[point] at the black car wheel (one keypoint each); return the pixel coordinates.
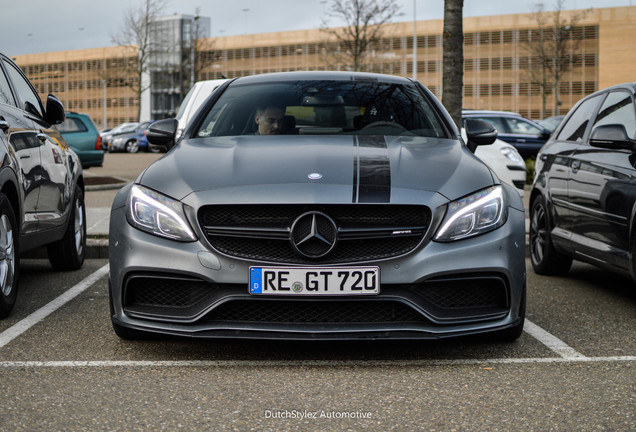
(132, 146)
(545, 259)
(8, 257)
(69, 253)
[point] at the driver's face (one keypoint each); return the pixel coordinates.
(270, 121)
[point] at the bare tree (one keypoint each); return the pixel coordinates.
(453, 61)
(134, 37)
(551, 47)
(364, 25)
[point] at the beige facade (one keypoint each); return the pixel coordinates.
(495, 66)
(86, 81)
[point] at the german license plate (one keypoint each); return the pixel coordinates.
(314, 281)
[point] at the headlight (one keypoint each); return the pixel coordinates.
(475, 214)
(512, 154)
(157, 214)
(117, 141)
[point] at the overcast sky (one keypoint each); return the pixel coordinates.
(34, 26)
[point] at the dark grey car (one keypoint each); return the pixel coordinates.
(365, 216)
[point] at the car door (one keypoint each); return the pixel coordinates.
(56, 189)
(557, 159)
(527, 137)
(602, 189)
(52, 171)
(24, 146)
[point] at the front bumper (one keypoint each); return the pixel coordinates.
(439, 290)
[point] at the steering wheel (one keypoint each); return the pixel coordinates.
(385, 124)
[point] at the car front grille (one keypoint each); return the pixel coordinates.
(364, 232)
(314, 312)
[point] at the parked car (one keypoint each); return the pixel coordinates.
(551, 123)
(584, 192)
(525, 135)
(505, 161)
(109, 135)
(364, 216)
(41, 183)
(193, 100)
(132, 141)
(80, 133)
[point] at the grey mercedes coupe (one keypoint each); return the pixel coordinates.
(318, 205)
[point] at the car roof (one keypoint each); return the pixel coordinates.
(490, 112)
(631, 86)
(322, 75)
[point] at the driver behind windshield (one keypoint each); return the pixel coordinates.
(269, 120)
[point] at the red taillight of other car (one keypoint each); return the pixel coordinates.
(98, 143)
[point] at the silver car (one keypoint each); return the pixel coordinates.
(318, 205)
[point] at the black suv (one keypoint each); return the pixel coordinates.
(583, 200)
(41, 183)
(525, 135)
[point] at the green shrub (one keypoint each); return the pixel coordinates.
(530, 169)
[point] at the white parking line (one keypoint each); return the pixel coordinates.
(297, 363)
(20, 327)
(567, 354)
(552, 342)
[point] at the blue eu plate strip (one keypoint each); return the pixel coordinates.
(256, 280)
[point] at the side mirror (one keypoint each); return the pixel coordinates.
(163, 133)
(479, 132)
(611, 136)
(54, 110)
(545, 134)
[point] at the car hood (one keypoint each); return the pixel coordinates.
(335, 169)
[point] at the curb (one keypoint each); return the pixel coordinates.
(96, 248)
(111, 186)
(118, 184)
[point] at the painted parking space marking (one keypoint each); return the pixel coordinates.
(297, 363)
(551, 341)
(20, 327)
(566, 353)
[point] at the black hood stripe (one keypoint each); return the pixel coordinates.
(371, 170)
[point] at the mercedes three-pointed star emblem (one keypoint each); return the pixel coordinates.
(314, 234)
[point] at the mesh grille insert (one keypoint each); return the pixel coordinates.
(166, 292)
(465, 292)
(366, 220)
(314, 312)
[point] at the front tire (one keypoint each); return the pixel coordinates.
(9, 257)
(545, 258)
(69, 253)
(132, 146)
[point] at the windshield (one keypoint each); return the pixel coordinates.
(184, 104)
(124, 127)
(322, 107)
